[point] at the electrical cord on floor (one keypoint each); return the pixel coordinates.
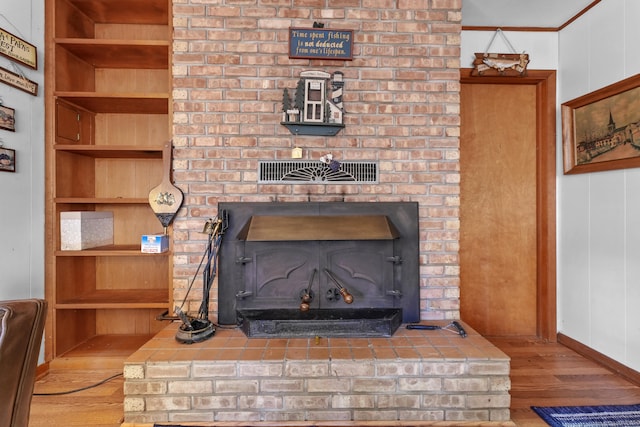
(60, 393)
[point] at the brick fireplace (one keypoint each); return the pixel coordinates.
(401, 101)
(401, 113)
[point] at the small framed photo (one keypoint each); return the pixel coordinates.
(7, 118)
(7, 160)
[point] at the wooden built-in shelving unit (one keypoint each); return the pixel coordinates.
(108, 118)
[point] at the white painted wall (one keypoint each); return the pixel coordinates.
(22, 192)
(599, 213)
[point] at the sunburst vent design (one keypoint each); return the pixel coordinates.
(317, 172)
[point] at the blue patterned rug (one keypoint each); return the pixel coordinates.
(590, 416)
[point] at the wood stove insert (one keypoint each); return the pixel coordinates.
(319, 269)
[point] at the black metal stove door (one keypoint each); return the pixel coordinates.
(278, 273)
(363, 268)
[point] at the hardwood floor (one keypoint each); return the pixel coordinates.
(542, 374)
(99, 406)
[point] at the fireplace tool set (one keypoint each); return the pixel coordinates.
(200, 328)
(165, 201)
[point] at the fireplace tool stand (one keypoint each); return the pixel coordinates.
(200, 328)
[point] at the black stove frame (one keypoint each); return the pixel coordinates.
(368, 250)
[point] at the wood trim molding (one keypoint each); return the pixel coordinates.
(42, 370)
(520, 29)
(578, 15)
(629, 374)
(532, 29)
(545, 82)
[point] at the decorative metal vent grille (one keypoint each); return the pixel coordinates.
(317, 172)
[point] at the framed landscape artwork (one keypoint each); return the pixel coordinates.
(601, 130)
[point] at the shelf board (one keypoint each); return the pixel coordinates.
(102, 201)
(97, 351)
(106, 53)
(111, 250)
(112, 151)
(124, 103)
(117, 299)
(152, 12)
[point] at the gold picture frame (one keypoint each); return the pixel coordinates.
(601, 130)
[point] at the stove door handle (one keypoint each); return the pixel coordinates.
(243, 294)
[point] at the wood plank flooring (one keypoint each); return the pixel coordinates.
(542, 374)
(100, 406)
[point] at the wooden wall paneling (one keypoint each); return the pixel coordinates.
(71, 22)
(132, 31)
(140, 130)
(78, 327)
(75, 175)
(130, 221)
(128, 322)
(78, 270)
(142, 273)
(126, 177)
(72, 72)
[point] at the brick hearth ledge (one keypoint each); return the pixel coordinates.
(414, 378)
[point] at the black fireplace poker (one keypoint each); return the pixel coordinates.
(454, 326)
(200, 328)
(346, 295)
(306, 296)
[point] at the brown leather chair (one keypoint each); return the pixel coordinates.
(21, 328)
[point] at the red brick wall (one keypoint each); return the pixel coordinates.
(401, 96)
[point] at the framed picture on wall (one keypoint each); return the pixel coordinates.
(7, 160)
(601, 130)
(7, 118)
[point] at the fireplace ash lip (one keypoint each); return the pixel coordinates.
(292, 323)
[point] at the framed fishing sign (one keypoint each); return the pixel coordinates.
(320, 43)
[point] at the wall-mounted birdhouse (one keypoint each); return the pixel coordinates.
(316, 107)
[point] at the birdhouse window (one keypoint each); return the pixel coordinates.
(314, 101)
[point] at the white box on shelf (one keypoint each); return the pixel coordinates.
(154, 243)
(85, 229)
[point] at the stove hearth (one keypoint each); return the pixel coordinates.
(319, 269)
